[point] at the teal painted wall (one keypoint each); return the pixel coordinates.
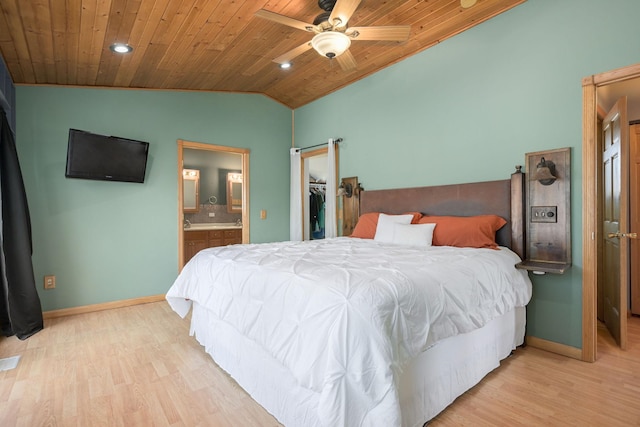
(109, 241)
(470, 108)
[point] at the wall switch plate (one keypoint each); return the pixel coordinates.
(263, 214)
(49, 282)
(544, 214)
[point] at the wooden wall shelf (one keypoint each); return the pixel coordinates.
(545, 267)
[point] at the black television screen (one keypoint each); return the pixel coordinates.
(107, 158)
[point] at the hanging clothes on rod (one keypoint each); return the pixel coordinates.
(317, 193)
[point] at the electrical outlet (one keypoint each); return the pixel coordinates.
(49, 282)
(212, 214)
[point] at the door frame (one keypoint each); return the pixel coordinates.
(182, 144)
(591, 195)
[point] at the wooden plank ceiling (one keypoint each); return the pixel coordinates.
(211, 45)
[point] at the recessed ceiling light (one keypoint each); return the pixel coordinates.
(467, 3)
(285, 65)
(120, 48)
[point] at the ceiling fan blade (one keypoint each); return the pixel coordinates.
(397, 33)
(284, 20)
(347, 61)
(287, 57)
(343, 10)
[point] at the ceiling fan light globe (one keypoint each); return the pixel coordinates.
(330, 43)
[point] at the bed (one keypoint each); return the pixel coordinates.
(360, 332)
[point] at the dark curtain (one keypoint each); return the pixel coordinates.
(20, 310)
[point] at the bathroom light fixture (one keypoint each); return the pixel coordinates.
(120, 48)
(331, 43)
(235, 177)
(545, 172)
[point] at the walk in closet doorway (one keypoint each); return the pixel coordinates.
(314, 176)
(315, 207)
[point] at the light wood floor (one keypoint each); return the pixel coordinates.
(137, 366)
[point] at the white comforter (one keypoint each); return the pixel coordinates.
(344, 315)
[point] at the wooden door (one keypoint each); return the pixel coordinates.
(615, 138)
(634, 199)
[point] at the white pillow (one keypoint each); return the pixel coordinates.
(413, 234)
(384, 229)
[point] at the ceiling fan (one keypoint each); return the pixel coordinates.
(332, 35)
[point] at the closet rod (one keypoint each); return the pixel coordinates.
(337, 141)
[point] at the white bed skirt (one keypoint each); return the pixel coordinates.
(429, 384)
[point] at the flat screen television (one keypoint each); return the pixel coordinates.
(106, 158)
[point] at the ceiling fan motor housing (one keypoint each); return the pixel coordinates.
(323, 17)
(326, 5)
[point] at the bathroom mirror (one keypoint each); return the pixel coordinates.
(191, 190)
(234, 192)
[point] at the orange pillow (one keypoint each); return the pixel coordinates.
(368, 223)
(465, 231)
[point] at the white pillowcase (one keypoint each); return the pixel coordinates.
(413, 234)
(384, 229)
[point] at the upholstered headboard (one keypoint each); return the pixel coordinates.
(504, 198)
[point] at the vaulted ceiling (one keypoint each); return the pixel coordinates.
(212, 45)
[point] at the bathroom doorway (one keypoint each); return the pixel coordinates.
(213, 197)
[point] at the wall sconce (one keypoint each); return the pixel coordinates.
(345, 190)
(545, 172)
